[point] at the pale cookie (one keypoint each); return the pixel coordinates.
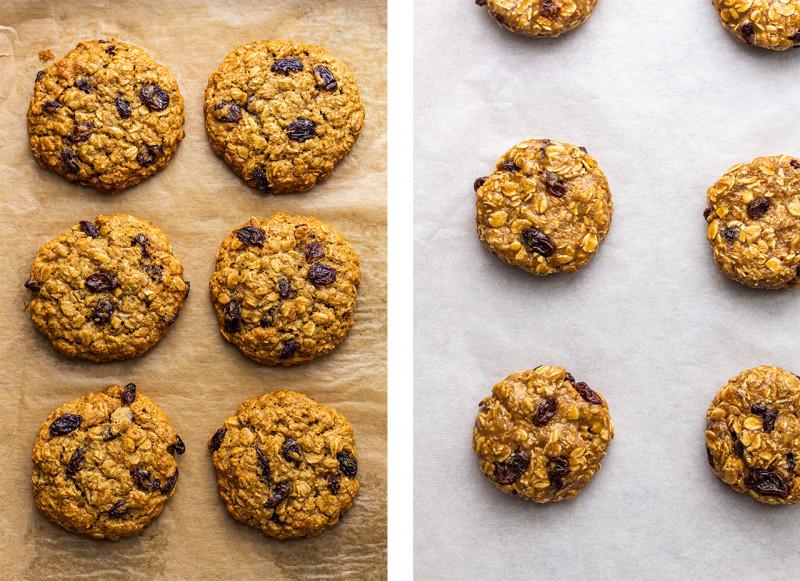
(106, 290)
(103, 464)
(282, 114)
(106, 115)
(546, 208)
(286, 465)
(541, 435)
(284, 288)
(539, 18)
(771, 24)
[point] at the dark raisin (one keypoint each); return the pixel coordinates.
(128, 395)
(348, 464)
(321, 275)
(70, 161)
(83, 85)
(790, 461)
(301, 130)
(81, 132)
(228, 112)
(101, 282)
(154, 272)
(554, 185)
(275, 517)
(279, 493)
(767, 414)
(32, 285)
(251, 236)
(583, 149)
(51, 106)
(117, 511)
(537, 241)
(39, 76)
(102, 312)
(569, 377)
(550, 9)
(75, 463)
(738, 447)
(149, 155)
(545, 411)
(142, 241)
(325, 78)
(587, 393)
(512, 468)
(288, 349)
(315, 251)
(291, 450)
(478, 183)
(156, 98)
(65, 424)
(509, 166)
(557, 471)
(795, 38)
(709, 457)
(795, 164)
(766, 483)
(287, 66)
(707, 213)
(178, 447)
(747, 30)
(143, 480)
(260, 177)
(216, 439)
(731, 234)
(232, 317)
(758, 208)
(89, 228)
(333, 484)
(263, 464)
(123, 107)
(481, 2)
(111, 49)
(170, 482)
(269, 319)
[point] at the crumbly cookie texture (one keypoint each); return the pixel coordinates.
(103, 465)
(539, 18)
(771, 24)
(282, 114)
(106, 290)
(753, 222)
(546, 208)
(286, 465)
(284, 289)
(541, 435)
(753, 434)
(106, 115)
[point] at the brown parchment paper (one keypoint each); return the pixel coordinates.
(193, 374)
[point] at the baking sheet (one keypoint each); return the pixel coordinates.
(193, 374)
(666, 102)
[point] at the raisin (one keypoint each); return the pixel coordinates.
(154, 272)
(707, 213)
(128, 395)
(70, 161)
(550, 9)
(170, 482)
(767, 414)
(156, 98)
(509, 166)
(216, 439)
(279, 493)
(569, 377)
(232, 317)
(288, 349)
(731, 234)
(39, 76)
(481, 2)
(795, 38)
(268, 319)
(301, 130)
(142, 241)
(81, 132)
(512, 468)
(325, 78)
(758, 208)
(545, 411)
(709, 457)
(251, 236)
(32, 285)
(747, 30)
(51, 106)
(149, 155)
(554, 185)
(143, 480)
(291, 450)
(321, 275)
(117, 511)
(83, 85)
(75, 464)
(333, 484)
(790, 461)
(795, 164)
(263, 463)
(285, 288)
(583, 149)
(260, 177)
(348, 464)
(123, 107)
(537, 241)
(178, 447)
(587, 393)
(89, 228)
(228, 112)
(766, 483)
(111, 49)
(102, 312)
(101, 282)
(478, 183)
(557, 471)
(315, 251)
(738, 447)
(65, 424)
(287, 66)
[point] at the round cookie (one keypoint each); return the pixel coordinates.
(103, 465)
(539, 18)
(546, 208)
(106, 290)
(753, 434)
(770, 24)
(753, 222)
(106, 115)
(284, 289)
(286, 465)
(282, 114)
(541, 435)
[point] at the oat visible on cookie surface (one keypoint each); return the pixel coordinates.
(770, 24)
(753, 434)
(106, 115)
(539, 18)
(284, 289)
(753, 222)
(282, 114)
(286, 464)
(103, 465)
(546, 208)
(106, 290)
(541, 435)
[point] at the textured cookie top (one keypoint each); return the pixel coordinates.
(282, 114)
(541, 435)
(544, 18)
(106, 290)
(753, 434)
(106, 115)
(546, 208)
(103, 464)
(284, 288)
(286, 464)
(753, 220)
(771, 24)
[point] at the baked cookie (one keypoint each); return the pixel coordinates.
(771, 24)
(106, 290)
(106, 115)
(541, 435)
(284, 289)
(282, 114)
(753, 434)
(540, 18)
(546, 208)
(753, 222)
(103, 465)
(286, 465)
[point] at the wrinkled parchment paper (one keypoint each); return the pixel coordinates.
(666, 102)
(193, 374)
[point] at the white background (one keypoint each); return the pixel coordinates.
(666, 102)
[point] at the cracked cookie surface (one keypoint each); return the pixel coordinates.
(546, 208)
(104, 465)
(286, 465)
(282, 114)
(106, 116)
(106, 290)
(753, 434)
(539, 18)
(284, 288)
(541, 435)
(770, 24)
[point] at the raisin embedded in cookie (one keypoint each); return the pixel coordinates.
(282, 114)
(753, 434)
(286, 465)
(103, 465)
(106, 290)
(770, 24)
(106, 115)
(546, 208)
(284, 289)
(541, 435)
(539, 18)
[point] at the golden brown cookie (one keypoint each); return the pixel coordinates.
(284, 289)
(541, 435)
(539, 18)
(771, 24)
(282, 114)
(103, 465)
(753, 434)
(286, 465)
(106, 290)
(106, 115)
(546, 208)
